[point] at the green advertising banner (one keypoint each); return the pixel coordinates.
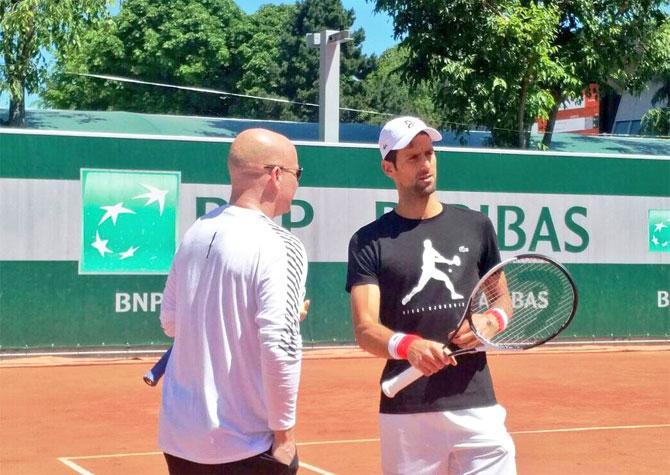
(90, 225)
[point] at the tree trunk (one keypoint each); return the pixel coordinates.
(521, 126)
(25, 49)
(549, 131)
(17, 110)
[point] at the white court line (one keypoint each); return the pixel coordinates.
(74, 466)
(539, 431)
(82, 471)
(111, 456)
(585, 429)
(329, 442)
(68, 460)
(315, 469)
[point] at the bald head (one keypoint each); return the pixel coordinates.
(259, 162)
(254, 148)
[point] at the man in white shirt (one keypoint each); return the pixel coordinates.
(233, 303)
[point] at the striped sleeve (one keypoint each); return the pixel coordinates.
(281, 291)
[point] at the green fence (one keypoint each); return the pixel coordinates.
(606, 217)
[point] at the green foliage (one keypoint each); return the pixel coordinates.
(261, 73)
(181, 42)
(630, 42)
(386, 90)
(462, 63)
(502, 64)
(656, 121)
(662, 95)
(28, 29)
(212, 44)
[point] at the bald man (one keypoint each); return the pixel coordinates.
(233, 302)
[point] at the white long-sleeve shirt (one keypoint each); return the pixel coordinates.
(232, 302)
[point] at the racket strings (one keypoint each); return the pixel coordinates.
(526, 324)
(530, 321)
(524, 318)
(524, 329)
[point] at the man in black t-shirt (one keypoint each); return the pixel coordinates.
(409, 275)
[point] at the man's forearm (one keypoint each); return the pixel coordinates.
(373, 338)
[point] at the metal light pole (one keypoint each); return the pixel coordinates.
(328, 41)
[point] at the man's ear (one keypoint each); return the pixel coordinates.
(277, 172)
(275, 178)
(387, 168)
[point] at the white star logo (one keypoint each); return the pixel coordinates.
(114, 212)
(654, 240)
(153, 196)
(659, 227)
(101, 245)
(129, 253)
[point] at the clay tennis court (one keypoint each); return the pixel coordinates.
(597, 410)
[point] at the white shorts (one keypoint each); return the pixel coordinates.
(469, 441)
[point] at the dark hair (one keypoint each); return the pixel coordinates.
(391, 157)
(393, 154)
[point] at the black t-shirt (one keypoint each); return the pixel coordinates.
(426, 270)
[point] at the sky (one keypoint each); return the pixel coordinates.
(378, 26)
(378, 29)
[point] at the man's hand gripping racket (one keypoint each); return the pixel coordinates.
(520, 303)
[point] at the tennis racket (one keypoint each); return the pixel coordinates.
(154, 375)
(534, 292)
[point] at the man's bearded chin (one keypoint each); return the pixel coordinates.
(421, 190)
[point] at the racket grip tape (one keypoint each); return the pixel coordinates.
(394, 385)
(154, 375)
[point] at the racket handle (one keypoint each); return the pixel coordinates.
(154, 375)
(393, 386)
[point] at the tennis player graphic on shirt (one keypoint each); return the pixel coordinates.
(429, 271)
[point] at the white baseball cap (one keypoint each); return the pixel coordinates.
(399, 132)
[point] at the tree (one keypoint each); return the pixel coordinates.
(209, 44)
(386, 91)
(302, 62)
(618, 45)
(277, 61)
(179, 42)
(502, 64)
(263, 73)
(656, 121)
(28, 30)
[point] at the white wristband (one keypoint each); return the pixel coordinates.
(393, 345)
(501, 317)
